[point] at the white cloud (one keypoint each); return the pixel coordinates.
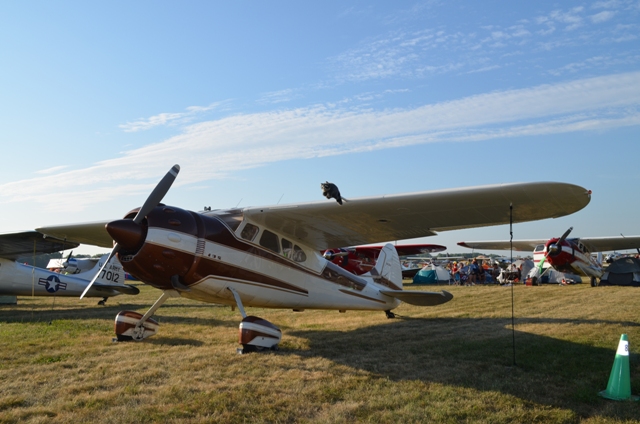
(572, 18)
(281, 96)
(421, 52)
(52, 170)
(170, 119)
(602, 16)
(216, 149)
(609, 4)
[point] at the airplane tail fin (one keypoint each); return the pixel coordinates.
(112, 276)
(388, 270)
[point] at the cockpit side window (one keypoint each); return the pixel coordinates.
(270, 241)
(539, 248)
(249, 232)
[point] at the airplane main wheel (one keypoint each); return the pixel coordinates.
(594, 282)
(127, 328)
(257, 334)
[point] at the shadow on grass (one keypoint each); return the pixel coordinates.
(478, 354)
(171, 341)
(44, 313)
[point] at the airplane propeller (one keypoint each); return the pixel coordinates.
(152, 201)
(554, 249)
(66, 261)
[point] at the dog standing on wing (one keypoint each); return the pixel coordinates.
(330, 191)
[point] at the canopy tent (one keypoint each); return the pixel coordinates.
(623, 272)
(432, 274)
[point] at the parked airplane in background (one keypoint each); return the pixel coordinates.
(18, 279)
(360, 259)
(72, 265)
(270, 256)
(567, 255)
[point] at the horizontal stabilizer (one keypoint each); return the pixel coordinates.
(121, 288)
(420, 298)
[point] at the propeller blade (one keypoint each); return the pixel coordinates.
(157, 194)
(554, 248)
(152, 201)
(564, 236)
(95, 277)
(66, 261)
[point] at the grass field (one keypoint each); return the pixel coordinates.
(450, 363)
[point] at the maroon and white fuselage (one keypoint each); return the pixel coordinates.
(572, 256)
(206, 253)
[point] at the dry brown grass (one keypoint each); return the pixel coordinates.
(451, 363)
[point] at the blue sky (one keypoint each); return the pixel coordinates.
(262, 101)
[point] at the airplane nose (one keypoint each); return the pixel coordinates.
(126, 233)
(553, 249)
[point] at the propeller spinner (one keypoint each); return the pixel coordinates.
(129, 232)
(553, 249)
(556, 247)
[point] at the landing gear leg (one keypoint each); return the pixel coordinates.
(103, 301)
(389, 314)
(256, 334)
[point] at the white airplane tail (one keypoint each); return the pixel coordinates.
(111, 277)
(388, 270)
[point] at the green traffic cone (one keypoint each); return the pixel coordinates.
(619, 386)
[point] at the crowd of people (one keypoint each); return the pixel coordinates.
(474, 272)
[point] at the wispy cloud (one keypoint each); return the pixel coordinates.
(602, 16)
(423, 50)
(218, 148)
(170, 119)
(281, 96)
(52, 170)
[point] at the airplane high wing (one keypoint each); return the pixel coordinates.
(17, 279)
(520, 245)
(324, 225)
(593, 244)
(271, 256)
(567, 255)
(405, 216)
(30, 243)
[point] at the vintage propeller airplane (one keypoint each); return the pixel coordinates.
(71, 265)
(271, 256)
(566, 255)
(360, 259)
(17, 279)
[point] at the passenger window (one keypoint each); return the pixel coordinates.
(270, 241)
(298, 254)
(292, 251)
(249, 232)
(287, 248)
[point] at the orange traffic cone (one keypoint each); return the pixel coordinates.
(619, 386)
